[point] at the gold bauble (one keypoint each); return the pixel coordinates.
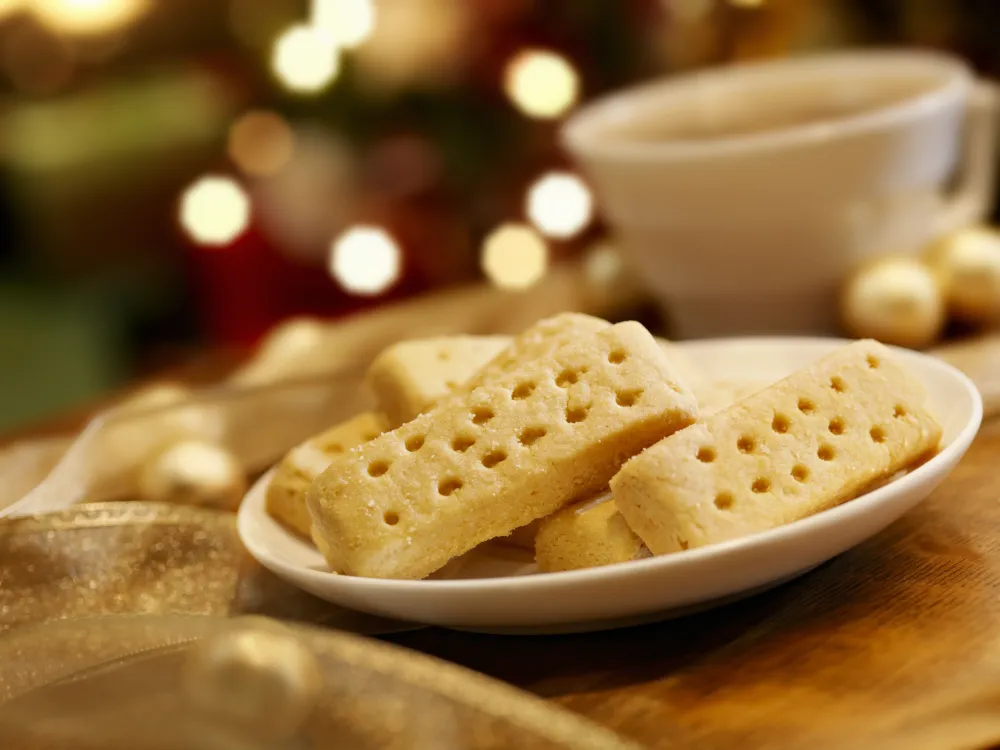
(896, 300)
(260, 678)
(194, 472)
(968, 262)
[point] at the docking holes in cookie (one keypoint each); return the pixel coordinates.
(877, 434)
(617, 356)
(391, 518)
(628, 398)
(761, 484)
(462, 443)
(780, 424)
(378, 468)
(837, 426)
(873, 361)
(523, 391)
(415, 443)
(838, 384)
(450, 486)
(724, 500)
(826, 452)
(493, 458)
(706, 454)
(531, 435)
(800, 473)
(899, 411)
(806, 406)
(481, 415)
(746, 444)
(567, 378)
(576, 414)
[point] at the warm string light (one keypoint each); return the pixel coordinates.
(260, 142)
(559, 204)
(349, 23)
(365, 260)
(514, 256)
(214, 210)
(541, 84)
(305, 59)
(87, 16)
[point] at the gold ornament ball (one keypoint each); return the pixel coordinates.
(895, 300)
(969, 265)
(194, 472)
(260, 678)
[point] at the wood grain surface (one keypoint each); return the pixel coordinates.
(895, 644)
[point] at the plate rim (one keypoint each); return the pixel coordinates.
(539, 582)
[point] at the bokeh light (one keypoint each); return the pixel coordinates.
(541, 84)
(305, 60)
(260, 142)
(515, 256)
(87, 16)
(747, 3)
(348, 22)
(560, 204)
(365, 260)
(214, 210)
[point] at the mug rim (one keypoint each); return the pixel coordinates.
(583, 133)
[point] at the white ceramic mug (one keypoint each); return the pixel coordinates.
(744, 195)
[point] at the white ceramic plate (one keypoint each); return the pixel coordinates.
(496, 589)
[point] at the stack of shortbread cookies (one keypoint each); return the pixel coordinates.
(591, 443)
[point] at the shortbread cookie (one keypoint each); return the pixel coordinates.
(595, 533)
(805, 444)
(286, 492)
(482, 464)
(410, 377)
(539, 341)
(586, 535)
